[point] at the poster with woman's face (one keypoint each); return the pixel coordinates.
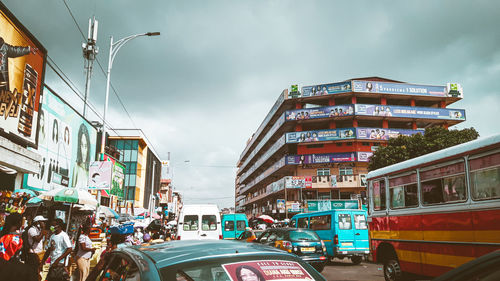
(265, 270)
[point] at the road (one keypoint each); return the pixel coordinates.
(345, 270)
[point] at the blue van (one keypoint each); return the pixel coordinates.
(233, 225)
(344, 231)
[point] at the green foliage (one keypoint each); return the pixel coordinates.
(407, 147)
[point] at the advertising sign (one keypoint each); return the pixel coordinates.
(321, 135)
(265, 270)
(280, 204)
(327, 205)
(410, 112)
(100, 173)
(399, 88)
(118, 177)
(364, 156)
(22, 67)
(383, 133)
(454, 90)
(66, 142)
(320, 158)
(326, 89)
(319, 112)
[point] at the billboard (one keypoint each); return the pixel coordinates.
(319, 112)
(118, 176)
(22, 70)
(326, 89)
(364, 156)
(327, 205)
(410, 112)
(321, 135)
(453, 90)
(320, 158)
(100, 173)
(384, 133)
(268, 270)
(67, 144)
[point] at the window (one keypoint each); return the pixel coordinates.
(320, 222)
(121, 268)
(131, 193)
(209, 223)
(303, 235)
(485, 177)
(379, 195)
(240, 225)
(293, 223)
(360, 221)
(365, 143)
(303, 223)
(344, 171)
(190, 223)
(229, 226)
(119, 144)
(132, 180)
(345, 221)
(450, 189)
(133, 155)
(403, 196)
(323, 172)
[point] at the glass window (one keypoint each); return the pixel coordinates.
(303, 235)
(126, 156)
(485, 184)
(133, 155)
(127, 180)
(190, 223)
(345, 171)
(320, 222)
(131, 193)
(345, 221)
(323, 172)
(293, 223)
(132, 180)
(209, 223)
(135, 144)
(229, 226)
(450, 189)
(240, 225)
(121, 268)
(360, 221)
(272, 237)
(403, 196)
(379, 195)
(303, 223)
(128, 144)
(119, 144)
(263, 237)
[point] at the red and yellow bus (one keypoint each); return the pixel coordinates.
(433, 213)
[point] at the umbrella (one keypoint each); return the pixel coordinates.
(69, 195)
(266, 218)
(109, 213)
(33, 200)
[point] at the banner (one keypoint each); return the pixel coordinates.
(118, 177)
(321, 135)
(22, 67)
(326, 89)
(401, 89)
(66, 142)
(327, 205)
(280, 204)
(319, 112)
(383, 133)
(100, 173)
(320, 158)
(265, 270)
(410, 112)
(364, 156)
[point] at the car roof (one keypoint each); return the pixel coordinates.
(174, 252)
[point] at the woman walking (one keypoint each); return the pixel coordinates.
(85, 252)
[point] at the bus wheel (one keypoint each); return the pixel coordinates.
(356, 259)
(392, 270)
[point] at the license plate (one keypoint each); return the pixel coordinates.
(347, 244)
(307, 249)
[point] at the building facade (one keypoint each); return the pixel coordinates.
(315, 143)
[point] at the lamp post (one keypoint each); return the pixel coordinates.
(113, 50)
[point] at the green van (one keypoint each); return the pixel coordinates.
(233, 225)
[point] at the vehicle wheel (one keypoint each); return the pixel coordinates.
(356, 259)
(392, 270)
(319, 267)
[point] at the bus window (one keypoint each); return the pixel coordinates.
(293, 223)
(403, 196)
(345, 221)
(229, 226)
(302, 223)
(240, 225)
(360, 221)
(486, 184)
(379, 195)
(320, 222)
(445, 190)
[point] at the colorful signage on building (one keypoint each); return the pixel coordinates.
(321, 135)
(327, 205)
(410, 112)
(326, 89)
(319, 112)
(118, 176)
(66, 142)
(280, 204)
(320, 158)
(384, 133)
(364, 156)
(22, 66)
(404, 89)
(100, 173)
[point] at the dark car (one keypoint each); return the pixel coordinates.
(250, 235)
(219, 260)
(305, 243)
(484, 268)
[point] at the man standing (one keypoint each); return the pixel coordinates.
(35, 242)
(8, 51)
(59, 248)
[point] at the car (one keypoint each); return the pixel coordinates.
(486, 267)
(250, 235)
(154, 226)
(303, 242)
(219, 260)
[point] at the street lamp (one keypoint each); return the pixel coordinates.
(113, 50)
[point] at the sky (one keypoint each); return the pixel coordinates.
(202, 88)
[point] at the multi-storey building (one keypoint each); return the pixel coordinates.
(316, 142)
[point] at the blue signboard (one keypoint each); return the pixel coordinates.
(320, 158)
(326, 89)
(410, 112)
(319, 112)
(321, 135)
(398, 88)
(384, 133)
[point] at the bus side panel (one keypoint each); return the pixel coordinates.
(327, 236)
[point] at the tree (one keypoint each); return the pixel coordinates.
(407, 147)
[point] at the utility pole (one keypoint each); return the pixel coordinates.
(90, 51)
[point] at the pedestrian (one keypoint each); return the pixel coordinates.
(59, 249)
(84, 251)
(34, 244)
(112, 244)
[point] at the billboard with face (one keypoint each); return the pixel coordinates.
(66, 142)
(22, 65)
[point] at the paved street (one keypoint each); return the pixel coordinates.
(345, 270)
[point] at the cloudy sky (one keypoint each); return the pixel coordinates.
(203, 87)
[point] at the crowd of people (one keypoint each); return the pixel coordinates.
(26, 248)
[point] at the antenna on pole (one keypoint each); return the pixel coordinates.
(90, 51)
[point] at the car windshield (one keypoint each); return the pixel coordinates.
(303, 235)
